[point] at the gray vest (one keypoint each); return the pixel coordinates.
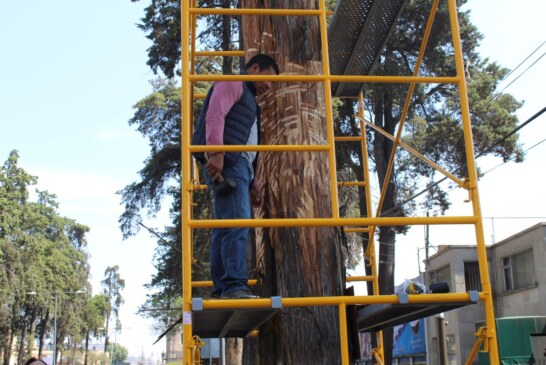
(238, 123)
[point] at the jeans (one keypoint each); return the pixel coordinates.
(228, 267)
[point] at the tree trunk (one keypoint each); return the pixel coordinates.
(295, 262)
(22, 340)
(86, 351)
(387, 235)
(8, 347)
(234, 351)
(41, 334)
(227, 61)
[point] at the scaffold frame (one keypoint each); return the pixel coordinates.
(191, 343)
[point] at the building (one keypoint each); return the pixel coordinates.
(517, 269)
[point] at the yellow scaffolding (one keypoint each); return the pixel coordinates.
(191, 343)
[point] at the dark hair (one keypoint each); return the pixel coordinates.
(33, 359)
(264, 61)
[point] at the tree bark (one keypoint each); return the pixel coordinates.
(295, 262)
(227, 62)
(383, 107)
(41, 335)
(234, 351)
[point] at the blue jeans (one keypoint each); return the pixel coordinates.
(228, 267)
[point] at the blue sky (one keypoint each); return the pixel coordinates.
(70, 72)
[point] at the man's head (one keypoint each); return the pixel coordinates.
(35, 361)
(262, 64)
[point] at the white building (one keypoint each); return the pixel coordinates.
(517, 267)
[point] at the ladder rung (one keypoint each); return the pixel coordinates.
(357, 230)
(359, 278)
(330, 222)
(208, 283)
(333, 78)
(274, 148)
(220, 53)
(270, 12)
(348, 139)
(352, 183)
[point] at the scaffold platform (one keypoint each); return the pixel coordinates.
(358, 31)
(230, 322)
(377, 317)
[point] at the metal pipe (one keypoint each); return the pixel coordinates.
(329, 222)
(333, 78)
(336, 301)
(473, 187)
(186, 185)
(268, 12)
(274, 148)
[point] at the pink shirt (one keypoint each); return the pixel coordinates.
(224, 96)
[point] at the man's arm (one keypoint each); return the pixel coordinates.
(224, 96)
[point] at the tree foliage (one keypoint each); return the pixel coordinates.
(118, 353)
(42, 256)
(432, 126)
(112, 286)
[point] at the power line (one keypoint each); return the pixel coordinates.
(522, 62)
(521, 74)
(436, 183)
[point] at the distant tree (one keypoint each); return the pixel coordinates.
(118, 353)
(41, 252)
(94, 317)
(112, 285)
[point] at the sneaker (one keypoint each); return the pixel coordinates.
(240, 294)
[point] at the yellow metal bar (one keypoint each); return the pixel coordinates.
(328, 109)
(359, 278)
(268, 12)
(198, 186)
(378, 356)
(199, 96)
(473, 182)
(330, 222)
(398, 138)
(417, 154)
(480, 334)
(343, 333)
(186, 185)
(208, 283)
(352, 183)
(275, 148)
(195, 169)
(370, 249)
(348, 139)
(357, 230)
(335, 301)
(333, 78)
(220, 53)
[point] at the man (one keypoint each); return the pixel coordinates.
(231, 116)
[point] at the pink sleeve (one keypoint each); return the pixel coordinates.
(224, 96)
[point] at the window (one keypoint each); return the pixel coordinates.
(440, 275)
(472, 276)
(519, 271)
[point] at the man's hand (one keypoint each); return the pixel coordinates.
(255, 195)
(215, 165)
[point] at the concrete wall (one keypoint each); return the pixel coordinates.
(460, 322)
(524, 302)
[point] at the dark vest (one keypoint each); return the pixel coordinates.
(238, 123)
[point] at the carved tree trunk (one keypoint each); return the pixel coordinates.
(295, 262)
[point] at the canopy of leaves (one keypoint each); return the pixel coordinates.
(42, 256)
